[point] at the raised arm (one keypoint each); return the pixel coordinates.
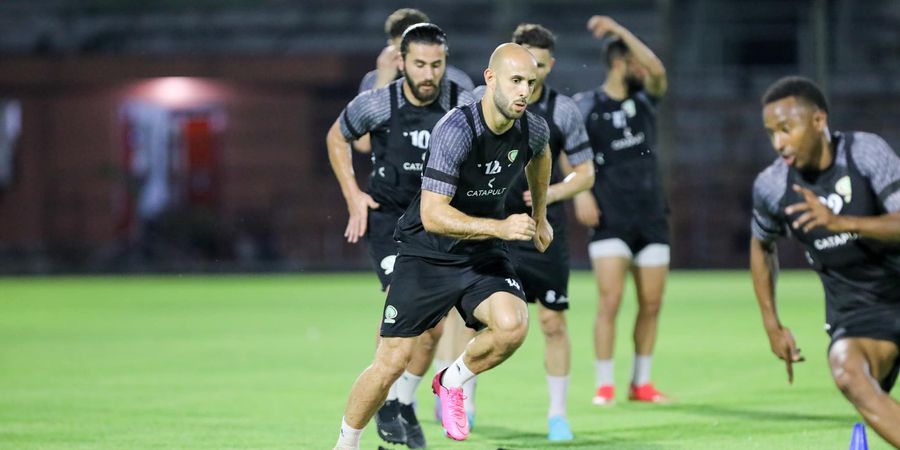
(656, 83)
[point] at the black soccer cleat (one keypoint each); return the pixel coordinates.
(414, 436)
(388, 423)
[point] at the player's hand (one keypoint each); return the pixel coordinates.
(543, 235)
(358, 206)
(815, 213)
(586, 210)
(600, 25)
(517, 227)
(785, 348)
(387, 65)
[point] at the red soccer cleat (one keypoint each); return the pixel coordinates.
(606, 395)
(646, 393)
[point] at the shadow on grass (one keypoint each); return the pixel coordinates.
(717, 411)
(512, 439)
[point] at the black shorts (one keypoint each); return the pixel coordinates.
(544, 276)
(382, 246)
(637, 234)
(424, 290)
(872, 323)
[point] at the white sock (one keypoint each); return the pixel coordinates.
(559, 388)
(457, 373)
(469, 394)
(406, 387)
(349, 437)
(392, 392)
(641, 374)
(440, 364)
(604, 372)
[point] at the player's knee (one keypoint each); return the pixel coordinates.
(850, 380)
(393, 357)
(649, 308)
(553, 324)
(609, 308)
(510, 332)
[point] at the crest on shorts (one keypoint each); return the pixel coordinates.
(511, 156)
(390, 313)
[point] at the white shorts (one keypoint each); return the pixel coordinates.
(651, 255)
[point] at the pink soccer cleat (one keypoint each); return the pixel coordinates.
(453, 410)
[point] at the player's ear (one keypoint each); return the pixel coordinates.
(550, 65)
(489, 77)
(820, 120)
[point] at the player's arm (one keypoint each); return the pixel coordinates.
(358, 202)
(538, 174)
(656, 83)
(885, 227)
(439, 217)
(577, 179)
(764, 269)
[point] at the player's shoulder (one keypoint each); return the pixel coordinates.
(585, 101)
(771, 182)
(455, 119)
(465, 96)
(459, 77)
(478, 92)
(536, 123)
(368, 81)
(865, 142)
(566, 106)
(377, 95)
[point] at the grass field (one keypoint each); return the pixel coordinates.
(267, 361)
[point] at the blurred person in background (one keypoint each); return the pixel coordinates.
(838, 194)
(399, 117)
(626, 207)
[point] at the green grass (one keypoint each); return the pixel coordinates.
(267, 362)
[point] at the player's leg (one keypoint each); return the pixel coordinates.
(610, 259)
(408, 383)
(557, 357)
(651, 268)
(861, 367)
(452, 343)
(488, 302)
(371, 387)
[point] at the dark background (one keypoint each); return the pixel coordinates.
(249, 89)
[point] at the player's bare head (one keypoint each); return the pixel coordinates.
(795, 115)
(510, 78)
(423, 48)
(540, 42)
(400, 20)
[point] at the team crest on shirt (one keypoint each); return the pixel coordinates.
(511, 156)
(844, 188)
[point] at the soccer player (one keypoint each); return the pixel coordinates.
(399, 117)
(626, 208)
(545, 276)
(387, 66)
(838, 194)
(451, 237)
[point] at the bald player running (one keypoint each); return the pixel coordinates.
(452, 250)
